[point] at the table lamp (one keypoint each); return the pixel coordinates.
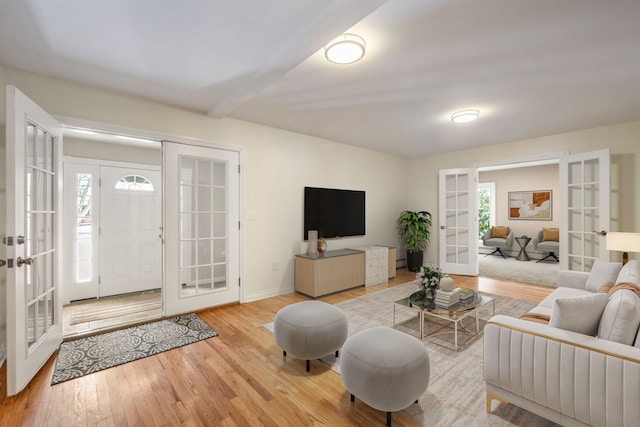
(623, 242)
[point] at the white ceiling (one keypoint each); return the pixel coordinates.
(532, 68)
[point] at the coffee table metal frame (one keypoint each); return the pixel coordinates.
(454, 314)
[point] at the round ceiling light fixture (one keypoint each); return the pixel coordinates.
(346, 49)
(465, 116)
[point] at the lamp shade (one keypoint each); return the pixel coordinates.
(623, 242)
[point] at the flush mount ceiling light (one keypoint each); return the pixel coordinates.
(465, 116)
(346, 49)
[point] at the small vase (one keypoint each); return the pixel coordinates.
(312, 249)
(322, 245)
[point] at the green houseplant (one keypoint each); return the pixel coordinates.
(415, 233)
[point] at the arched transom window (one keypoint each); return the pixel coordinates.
(134, 183)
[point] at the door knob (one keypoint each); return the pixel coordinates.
(442, 227)
(21, 261)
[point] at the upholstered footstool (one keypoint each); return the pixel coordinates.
(310, 329)
(385, 368)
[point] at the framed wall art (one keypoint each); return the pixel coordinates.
(534, 205)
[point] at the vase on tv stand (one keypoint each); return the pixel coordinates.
(312, 249)
(322, 245)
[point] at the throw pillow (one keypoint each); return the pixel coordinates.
(621, 317)
(499, 232)
(578, 314)
(550, 235)
(602, 272)
(629, 273)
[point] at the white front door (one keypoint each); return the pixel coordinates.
(585, 213)
(34, 184)
(202, 220)
(458, 217)
(130, 230)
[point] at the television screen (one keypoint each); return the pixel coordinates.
(334, 213)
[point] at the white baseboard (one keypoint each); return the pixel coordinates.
(267, 294)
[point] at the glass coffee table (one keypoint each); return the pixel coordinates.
(445, 319)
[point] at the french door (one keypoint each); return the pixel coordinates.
(34, 183)
(585, 198)
(458, 228)
(202, 223)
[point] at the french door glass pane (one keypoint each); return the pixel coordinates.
(203, 223)
(39, 232)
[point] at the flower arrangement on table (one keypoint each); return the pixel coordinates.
(428, 279)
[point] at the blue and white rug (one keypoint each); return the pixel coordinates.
(92, 354)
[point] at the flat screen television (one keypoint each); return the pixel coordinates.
(333, 212)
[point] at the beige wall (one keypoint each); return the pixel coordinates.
(623, 141)
(276, 166)
(524, 179)
(99, 150)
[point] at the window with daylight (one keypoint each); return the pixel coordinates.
(486, 207)
(83, 228)
(134, 183)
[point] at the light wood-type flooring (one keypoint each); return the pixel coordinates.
(239, 378)
(81, 318)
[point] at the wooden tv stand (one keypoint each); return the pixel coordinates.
(332, 272)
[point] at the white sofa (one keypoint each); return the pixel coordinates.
(572, 378)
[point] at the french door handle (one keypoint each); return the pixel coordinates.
(602, 233)
(442, 227)
(21, 261)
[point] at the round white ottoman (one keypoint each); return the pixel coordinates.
(310, 329)
(385, 368)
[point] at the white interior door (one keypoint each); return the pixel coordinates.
(34, 183)
(458, 217)
(585, 189)
(130, 230)
(202, 250)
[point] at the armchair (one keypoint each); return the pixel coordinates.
(547, 240)
(499, 238)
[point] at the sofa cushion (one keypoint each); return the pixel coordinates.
(561, 292)
(629, 273)
(636, 343)
(621, 317)
(579, 314)
(601, 273)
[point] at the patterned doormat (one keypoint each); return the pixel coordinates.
(92, 354)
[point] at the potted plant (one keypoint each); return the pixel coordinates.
(415, 232)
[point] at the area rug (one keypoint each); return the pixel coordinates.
(538, 273)
(456, 394)
(92, 354)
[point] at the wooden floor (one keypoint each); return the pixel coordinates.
(239, 378)
(97, 315)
